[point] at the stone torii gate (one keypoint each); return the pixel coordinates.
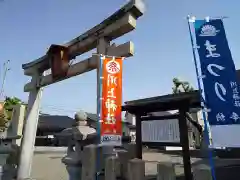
(121, 22)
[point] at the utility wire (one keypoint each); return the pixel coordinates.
(5, 70)
(59, 107)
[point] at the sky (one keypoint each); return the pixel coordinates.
(161, 39)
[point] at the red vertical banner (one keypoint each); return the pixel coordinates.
(111, 112)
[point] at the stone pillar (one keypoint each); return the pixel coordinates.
(102, 47)
(166, 171)
(89, 160)
(108, 151)
(124, 158)
(103, 153)
(18, 122)
(111, 168)
(190, 138)
(30, 129)
(136, 169)
(202, 173)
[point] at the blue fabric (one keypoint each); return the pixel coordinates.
(218, 69)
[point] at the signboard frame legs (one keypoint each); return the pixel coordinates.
(183, 128)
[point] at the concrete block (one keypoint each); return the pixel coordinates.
(136, 169)
(89, 160)
(166, 171)
(202, 173)
(102, 154)
(111, 168)
(124, 158)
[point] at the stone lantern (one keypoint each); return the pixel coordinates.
(81, 136)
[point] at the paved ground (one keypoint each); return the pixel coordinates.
(48, 166)
(224, 168)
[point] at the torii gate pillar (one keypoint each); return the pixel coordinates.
(29, 131)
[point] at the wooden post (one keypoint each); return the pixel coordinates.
(30, 128)
(138, 136)
(184, 140)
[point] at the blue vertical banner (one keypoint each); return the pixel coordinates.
(221, 89)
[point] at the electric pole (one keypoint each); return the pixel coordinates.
(5, 70)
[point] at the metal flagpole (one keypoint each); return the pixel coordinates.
(199, 77)
(99, 105)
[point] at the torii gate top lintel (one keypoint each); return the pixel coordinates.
(116, 25)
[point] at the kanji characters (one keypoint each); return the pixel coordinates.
(112, 80)
(235, 91)
(220, 87)
(111, 94)
(111, 105)
(220, 117)
(236, 96)
(110, 119)
(235, 116)
(211, 48)
(210, 69)
(237, 103)
(233, 84)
